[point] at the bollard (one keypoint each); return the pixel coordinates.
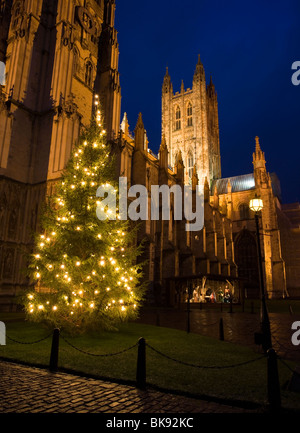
(54, 350)
(221, 330)
(141, 365)
(274, 397)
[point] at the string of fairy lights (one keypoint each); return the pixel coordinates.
(80, 285)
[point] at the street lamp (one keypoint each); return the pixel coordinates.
(256, 205)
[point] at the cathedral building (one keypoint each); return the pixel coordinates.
(55, 56)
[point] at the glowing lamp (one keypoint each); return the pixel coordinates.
(256, 204)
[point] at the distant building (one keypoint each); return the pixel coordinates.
(55, 55)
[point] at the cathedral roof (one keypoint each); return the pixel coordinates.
(244, 182)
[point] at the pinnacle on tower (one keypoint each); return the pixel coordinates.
(167, 85)
(125, 125)
(195, 179)
(259, 155)
(182, 86)
(199, 68)
(163, 153)
(139, 134)
(229, 187)
(206, 190)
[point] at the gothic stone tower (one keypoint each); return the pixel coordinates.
(190, 124)
(56, 54)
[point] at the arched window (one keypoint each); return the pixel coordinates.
(76, 64)
(189, 113)
(244, 211)
(88, 73)
(247, 261)
(2, 73)
(190, 164)
(178, 118)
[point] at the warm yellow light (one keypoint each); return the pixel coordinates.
(38, 275)
(30, 296)
(37, 256)
(78, 263)
(41, 307)
(256, 204)
(123, 308)
(54, 308)
(102, 263)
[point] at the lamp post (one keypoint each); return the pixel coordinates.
(256, 205)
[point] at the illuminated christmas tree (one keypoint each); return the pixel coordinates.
(85, 270)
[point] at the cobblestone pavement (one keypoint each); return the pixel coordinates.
(238, 327)
(32, 390)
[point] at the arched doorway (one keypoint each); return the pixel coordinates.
(247, 261)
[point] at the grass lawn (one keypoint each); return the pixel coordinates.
(247, 383)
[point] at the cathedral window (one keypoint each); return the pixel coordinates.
(76, 62)
(190, 164)
(244, 211)
(178, 118)
(189, 114)
(89, 74)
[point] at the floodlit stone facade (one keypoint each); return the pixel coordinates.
(55, 55)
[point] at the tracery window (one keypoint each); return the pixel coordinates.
(190, 164)
(189, 114)
(88, 74)
(177, 118)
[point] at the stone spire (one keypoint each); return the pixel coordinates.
(125, 125)
(206, 190)
(199, 72)
(167, 84)
(216, 197)
(179, 167)
(182, 86)
(195, 179)
(259, 165)
(139, 134)
(163, 154)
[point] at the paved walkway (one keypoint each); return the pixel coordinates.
(32, 390)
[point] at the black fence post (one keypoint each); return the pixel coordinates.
(54, 350)
(274, 397)
(141, 365)
(221, 330)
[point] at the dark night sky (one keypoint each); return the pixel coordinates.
(248, 47)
